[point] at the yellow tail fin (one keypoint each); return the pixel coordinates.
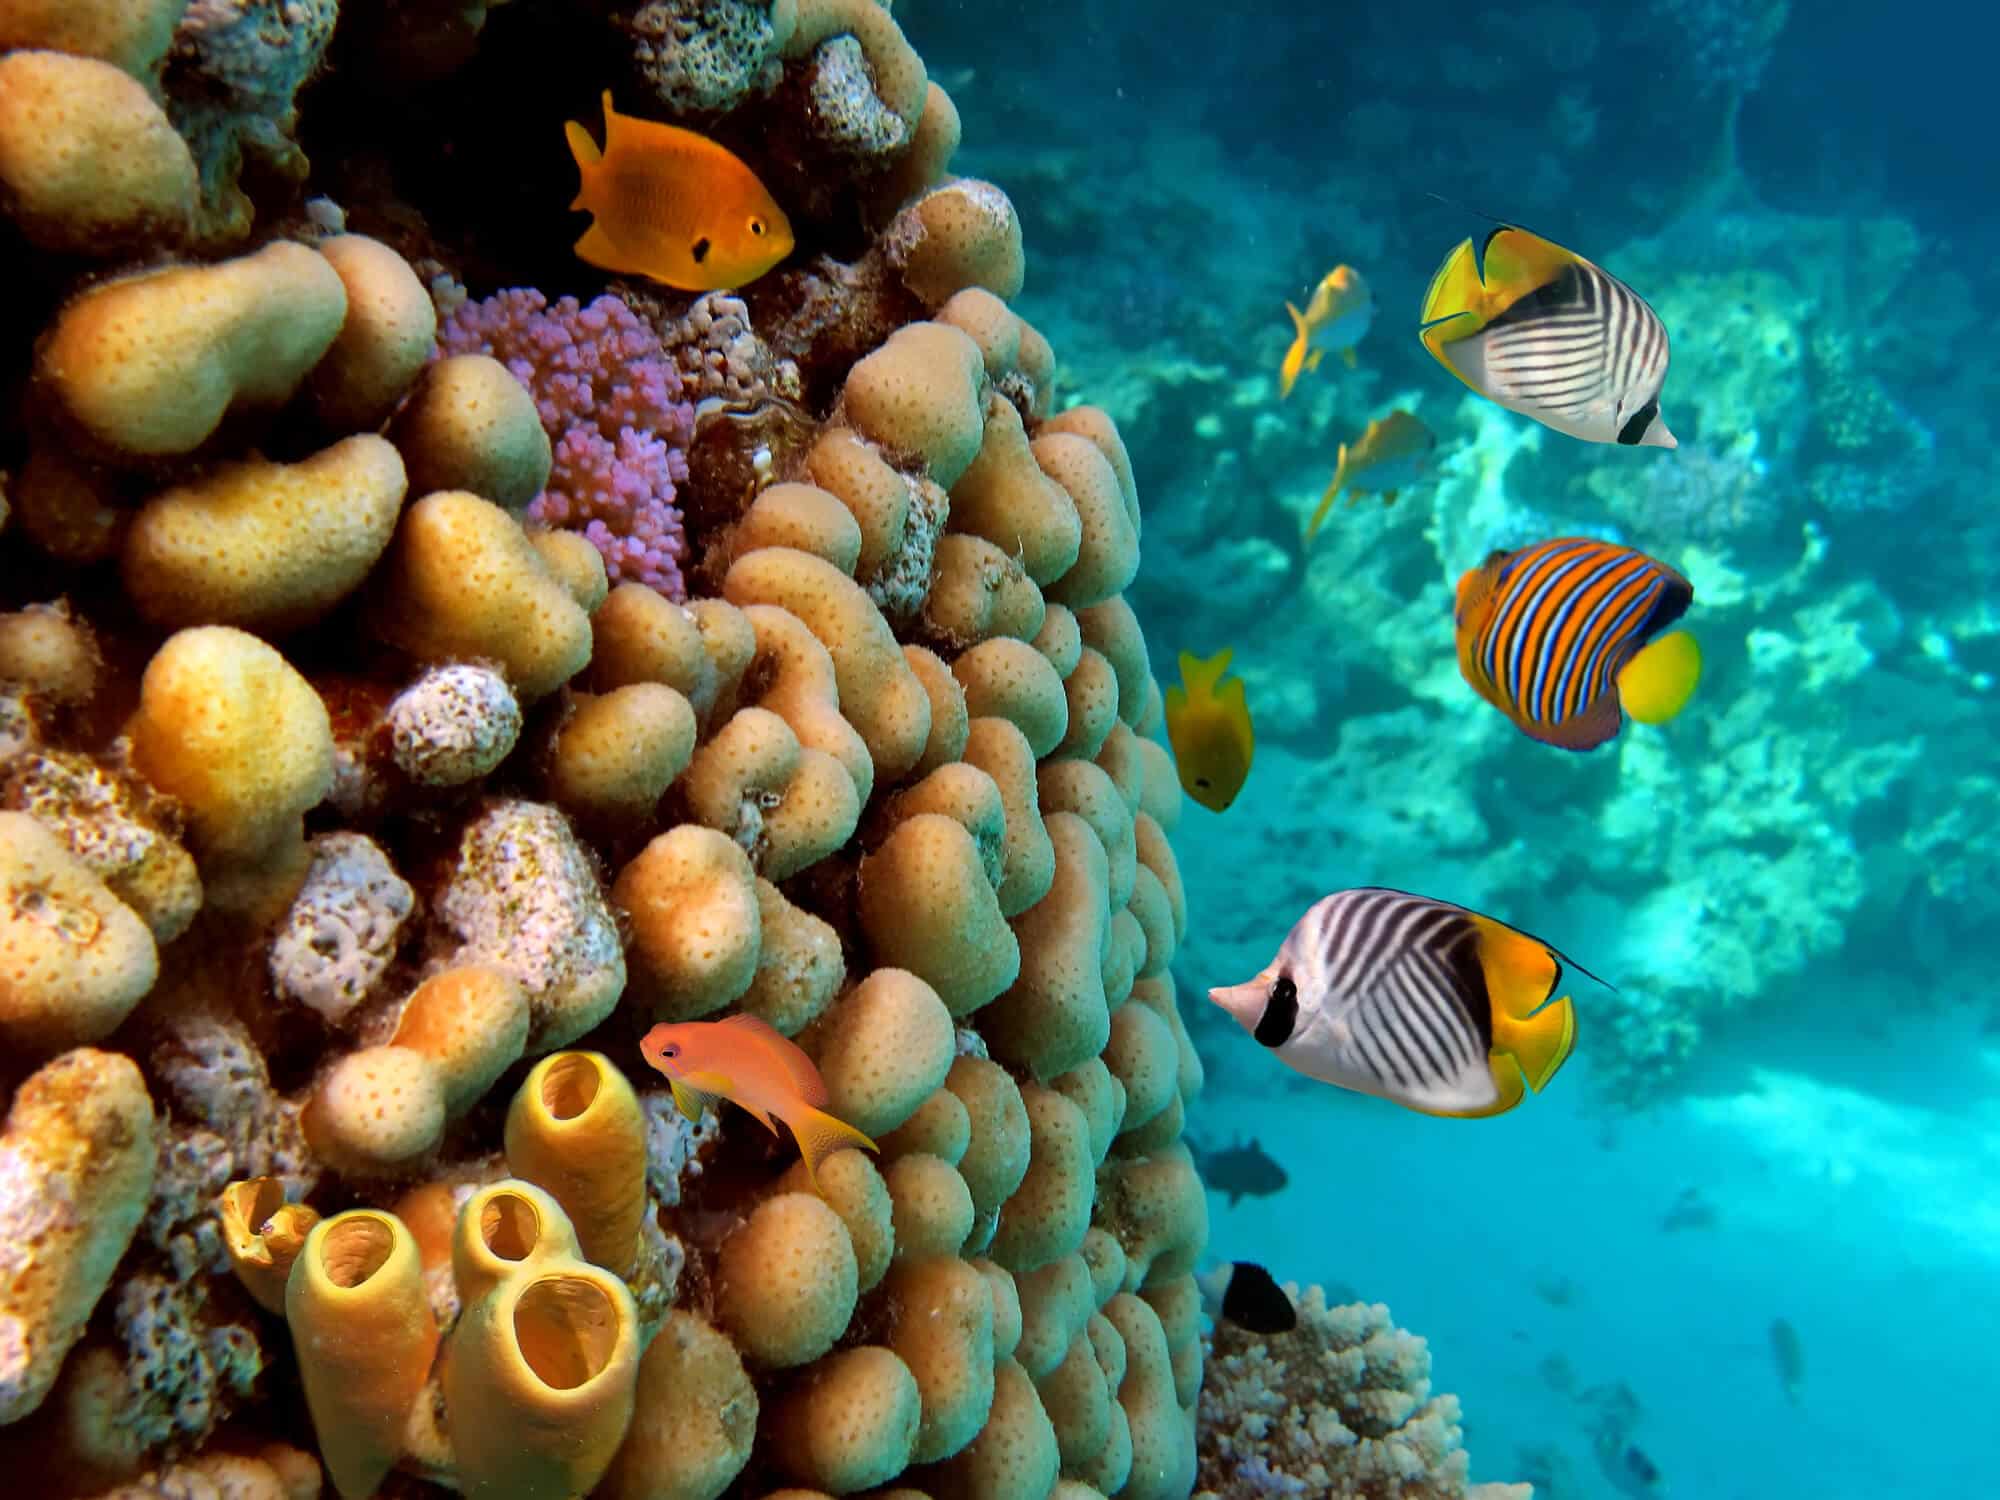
(819, 1135)
(1295, 356)
(1202, 677)
(1521, 974)
(1540, 1044)
(1326, 497)
(1657, 683)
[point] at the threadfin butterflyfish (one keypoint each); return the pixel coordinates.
(1551, 634)
(1548, 334)
(1244, 1293)
(757, 1068)
(1208, 724)
(1434, 1006)
(1337, 316)
(1392, 453)
(673, 206)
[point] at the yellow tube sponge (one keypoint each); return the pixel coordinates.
(378, 1110)
(89, 164)
(786, 1281)
(978, 592)
(539, 1376)
(942, 1330)
(149, 365)
(879, 694)
(961, 233)
(1108, 558)
(1014, 1457)
(691, 898)
(932, 1209)
(470, 425)
(1054, 1016)
(998, 747)
(997, 1158)
(76, 1170)
(617, 754)
(503, 1229)
(921, 396)
(792, 515)
(925, 905)
(694, 1416)
(1010, 679)
(364, 1336)
(389, 332)
(796, 681)
(575, 1131)
(786, 805)
(1004, 496)
(462, 581)
(1045, 1218)
(849, 1422)
(950, 720)
(1091, 691)
(1163, 1456)
(74, 959)
(852, 470)
(263, 545)
(263, 1235)
(241, 739)
(882, 1049)
(799, 964)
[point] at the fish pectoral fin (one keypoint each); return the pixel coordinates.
(691, 1100)
(819, 1135)
(1348, 356)
(1540, 1043)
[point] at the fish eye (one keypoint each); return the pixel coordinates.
(672, 1049)
(756, 226)
(1201, 781)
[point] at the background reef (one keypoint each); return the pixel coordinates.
(425, 662)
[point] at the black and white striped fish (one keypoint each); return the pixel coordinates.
(1546, 333)
(1439, 1008)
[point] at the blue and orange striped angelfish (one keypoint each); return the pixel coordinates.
(1557, 635)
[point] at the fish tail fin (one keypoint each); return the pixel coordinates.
(1347, 357)
(1326, 496)
(1295, 356)
(1202, 677)
(1521, 974)
(1298, 322)
(819, 1135)
(1658, 681)
(1540, 1044)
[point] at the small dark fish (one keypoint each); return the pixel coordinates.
(1625, 1464)
(1242, 1171)
(1790, 1355)
(1690, 1211)
(1558, 1374)
(1557, 1291)
(1243, 1292)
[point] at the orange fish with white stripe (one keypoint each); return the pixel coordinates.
(754, 1066)
(1546, 333)
(1557, 635)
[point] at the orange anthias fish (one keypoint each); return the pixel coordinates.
(673, 206)
(1556, 634)
(1542, 331)
(751, 1064)
(1390, 455)
(1336, 317)
(1208, 724)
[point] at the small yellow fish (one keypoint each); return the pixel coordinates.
(673, 206)
(1208, 724)
(1336, 317)
(1389, 457)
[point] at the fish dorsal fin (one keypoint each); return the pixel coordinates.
(1475, 591)
(798, 1069)
(1516, 262)
(612, 120)
(1521, 972)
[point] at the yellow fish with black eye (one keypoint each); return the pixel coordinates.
(673, 206)
(1208, 724)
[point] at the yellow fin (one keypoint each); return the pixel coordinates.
(819, 1135)
(1312, 360)
(1347, 354)
(588, 157)
(1657, 683)
(1521, 972)
(1201, 676)
(1454, 291)
(692, 1102)
(596, 248)
(1326, 497)
(1541, 1043)
(1516, 262)
(1295, 356)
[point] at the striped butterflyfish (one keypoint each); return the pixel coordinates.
(1441, 1009)
(1546, 333)
(1552, 635)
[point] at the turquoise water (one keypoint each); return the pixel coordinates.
(1787, 1109)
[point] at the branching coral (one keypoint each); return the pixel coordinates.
(610, 401)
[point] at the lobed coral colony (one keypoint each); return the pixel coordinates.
(414, 685)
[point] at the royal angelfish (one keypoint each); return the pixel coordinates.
(673, 206)
(1544, 332)
(1441, 1009)
(1556, 636)
(1208, 724)
(1337, 316)
(1391, 454)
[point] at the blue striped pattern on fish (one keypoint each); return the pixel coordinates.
(1544, 631)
